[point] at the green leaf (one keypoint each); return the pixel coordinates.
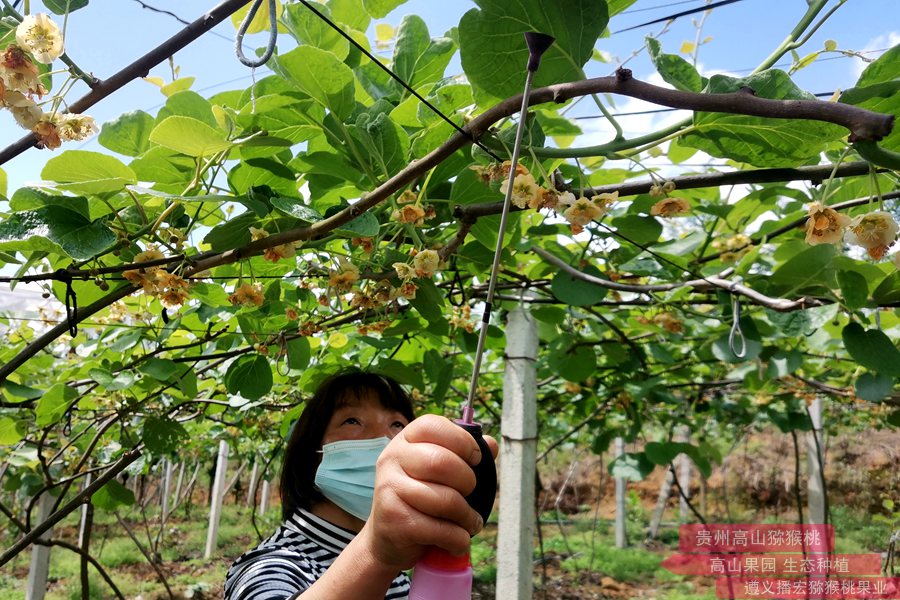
(872, 349)
(129, 134)
(873, 387)
(295, 208)
(755, 140)
(469, 189)
(259, 172)
(789, 421)
(365, 225)
(888, 291)
(573, 363)
(893, 418)
(663, 453)
(232, 234)
(120, 381)
(429, 301)
(283, 116)
(808, 269)
(187, 383)
(854, 288)
(298, 353)
(249, 376)
(176, 86)
(88, 172)
(633, 466)
(189, 136)
(494, 54)
(379, 9)
(3, 184)
(170, 171)
(321, 75)
(22, 391)
(56, 230)
(674, 69)
(577, 292)
(350, 13)
(644, 231)
(162, 435)
(11, 431)
(26, 199)
(186, 103)
(311, 30)
(885, 68)
(420, 60)
(159, 368)
(876, 90)
(61, 7)
(407, 324)
(401, 372)
(112, 496)
(53, 404)
(386, 144)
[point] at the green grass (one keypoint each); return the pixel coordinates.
(574, 545)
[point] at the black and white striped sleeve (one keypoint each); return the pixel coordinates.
(275, 576)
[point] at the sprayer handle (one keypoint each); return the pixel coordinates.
(482, 497)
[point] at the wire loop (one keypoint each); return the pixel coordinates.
(736, 335)
(242, 31)
(281, 359)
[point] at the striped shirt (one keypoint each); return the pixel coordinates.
(292, 559)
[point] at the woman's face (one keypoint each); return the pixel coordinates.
(361, 419)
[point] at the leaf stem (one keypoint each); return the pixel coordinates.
(611, 119)
(609, 149)
(790, 42)
(820, 22)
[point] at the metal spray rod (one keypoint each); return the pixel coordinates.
(538, 43)
(439, 575)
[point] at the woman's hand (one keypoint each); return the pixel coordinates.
(421, 481)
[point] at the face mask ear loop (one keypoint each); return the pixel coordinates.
(736, 335)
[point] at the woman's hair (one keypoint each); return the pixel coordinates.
(301, 460)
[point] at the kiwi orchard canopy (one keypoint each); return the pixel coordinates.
(217, 255)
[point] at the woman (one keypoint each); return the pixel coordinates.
(342, 537)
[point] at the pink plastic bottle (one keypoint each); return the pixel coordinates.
(441, 576)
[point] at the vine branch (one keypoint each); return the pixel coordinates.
(704, 284)
(863, 124)
(139, 68)
(29, 538)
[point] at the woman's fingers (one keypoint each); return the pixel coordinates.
(433, 429)
(422, 478)
(439, 501)
(436, 464)
(492, 444)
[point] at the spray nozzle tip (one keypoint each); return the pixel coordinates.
(538, 43)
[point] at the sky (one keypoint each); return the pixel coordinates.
(108, 34)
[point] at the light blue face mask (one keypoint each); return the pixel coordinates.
(346, 475)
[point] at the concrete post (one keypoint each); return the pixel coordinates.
(40, 555)
(215, 504)
(815, 460)
(166, 489)
(264, 497)
(251, 489)
(685, 471)
(621, 535)
(518, 456)
(176, 497)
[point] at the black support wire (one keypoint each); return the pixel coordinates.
(684, 13)
(400, 80)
